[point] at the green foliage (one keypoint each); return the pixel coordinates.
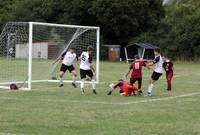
(178, 33)
(119, 20)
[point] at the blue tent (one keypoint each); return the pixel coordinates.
(144, 50)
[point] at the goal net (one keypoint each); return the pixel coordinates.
(28, 49)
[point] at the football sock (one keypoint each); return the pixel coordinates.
(150, 88)
(82, 85)
(93, 85)
(74, 78)
(61, 80)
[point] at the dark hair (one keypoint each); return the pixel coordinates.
(73, 48)
(136, 57)
(89, 48)
(157, 50)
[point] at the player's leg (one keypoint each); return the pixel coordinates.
(155, 76)
(169, 82)
(139, 86)
(91, 75)
(126, 92)
(132, 80)
(150, 87)
(83, 77)
(74, 75)
(61, 75)
(131, 89)
(74, 78)
(63, 69)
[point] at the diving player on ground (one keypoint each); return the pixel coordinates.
(125, 88)
(136, 67)
(158, 70)
(87, 69)
(68, 58)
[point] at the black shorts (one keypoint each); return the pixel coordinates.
(64, 68)
(155, 76)
(85, 73)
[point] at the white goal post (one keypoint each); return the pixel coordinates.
(28, 49)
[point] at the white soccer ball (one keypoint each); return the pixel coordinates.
(111, 85)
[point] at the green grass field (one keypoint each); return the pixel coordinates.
(50, 110)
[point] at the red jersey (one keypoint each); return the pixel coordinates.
(168, 66)
(136, 66)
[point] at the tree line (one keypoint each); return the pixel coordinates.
(178, 33)
(175, 28)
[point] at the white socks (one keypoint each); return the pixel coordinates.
(74, 78)
(150, 88)
(82, 84)
(93, 85)
(61, 80)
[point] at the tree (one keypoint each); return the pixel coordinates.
(119, 20)
(178, 33)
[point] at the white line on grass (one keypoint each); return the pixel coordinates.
(106, 103)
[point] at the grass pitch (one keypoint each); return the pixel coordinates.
(50, 110)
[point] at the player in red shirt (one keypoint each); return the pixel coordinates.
(125, 88)
(136, 67)
(169, 69)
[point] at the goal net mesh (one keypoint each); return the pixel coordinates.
(48, 43)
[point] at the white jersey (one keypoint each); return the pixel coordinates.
(86, 61)
(158, 61)
(68, 58)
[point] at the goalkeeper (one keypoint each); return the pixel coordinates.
(125, 88)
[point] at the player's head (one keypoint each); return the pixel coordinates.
(120, 80)
(72, 49)
(136, 57)
(90, 49)
(157, 51)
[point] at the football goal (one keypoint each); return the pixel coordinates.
(28, 49)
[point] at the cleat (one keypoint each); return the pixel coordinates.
(140, 93)
(94, 91)
(61, 85)
(148, 94)
(73, 84)
(82, 91)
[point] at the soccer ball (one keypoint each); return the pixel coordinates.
(111, 86)
(13, 86)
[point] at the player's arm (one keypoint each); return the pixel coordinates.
(145, 64)
(128, 73)
(91, 65)
(60, 57)
(156, 60)
(113, 87)
(130, 68)
(79, 59)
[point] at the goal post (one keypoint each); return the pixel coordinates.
(36, 45)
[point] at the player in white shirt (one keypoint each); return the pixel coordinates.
(68, 57)
(158, 70)
(87, 69)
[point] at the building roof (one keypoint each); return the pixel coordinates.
(144, 45)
